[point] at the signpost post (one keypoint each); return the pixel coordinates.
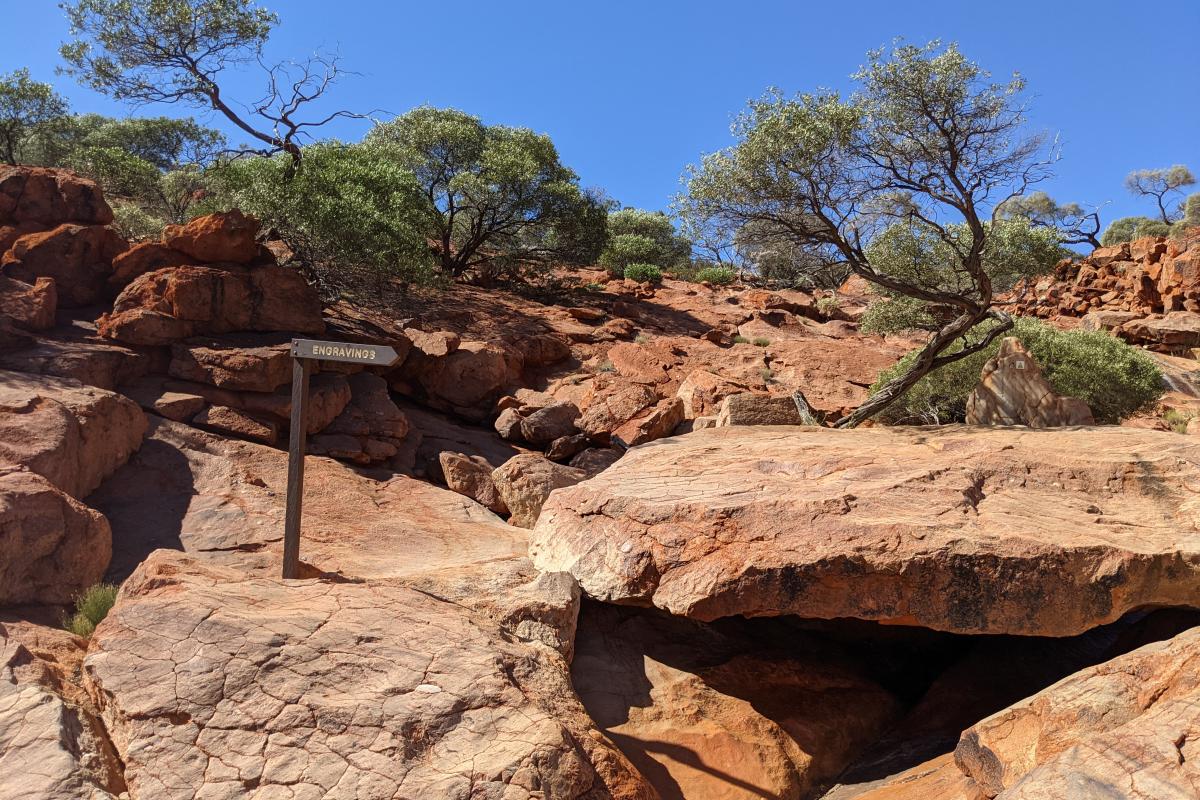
(304, 353)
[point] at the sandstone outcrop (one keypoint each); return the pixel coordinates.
(78, 258)
(30, 306)
(1125, 728)
(525, 481)
(167, 305)
(1013, 391)
(48, 197)
(72, 435)
(52, 546)
(255, 687)
(49, 748)
(758, 409)
(956, 529)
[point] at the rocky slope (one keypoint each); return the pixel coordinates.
(682, 603)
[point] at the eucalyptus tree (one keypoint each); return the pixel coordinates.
(1074, 223)
(1158, 183)
(27, 109)
(927, 148)
(491, 195)
(175, 51)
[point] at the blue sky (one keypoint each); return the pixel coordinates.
(631, 92)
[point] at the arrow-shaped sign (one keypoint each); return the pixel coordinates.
(376, 354)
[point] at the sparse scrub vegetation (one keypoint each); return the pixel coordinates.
(827, 305)
(717, 276)
(1177, 420)
(739, 339)
(761, 341)
(643, 273)
(91, 607)
(1115, 379)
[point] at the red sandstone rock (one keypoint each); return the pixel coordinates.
(525, 481)
(472, 476)
(1012, 391)
(175, 303)
(78, 258)
(49, 197)
(969, 530)
(216, 238)
(142, 258)
(28, 306)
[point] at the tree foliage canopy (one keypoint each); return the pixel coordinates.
(928, 142)
(1158, 183)
(174, 51)
(490, 195)
(1074, 224)
(28, 108)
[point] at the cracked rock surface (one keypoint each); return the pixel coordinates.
(217, 684)
(967, 530)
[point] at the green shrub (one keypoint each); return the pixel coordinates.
(761, 341)
(606, 366)
(718, 276)
(348, 212)
(1112, 377)
(1191, 216)
(739, 339)
(643, 273)
(827, 305)
(1177, 420)
(91, 607)
(134, 222)
(1126, 229)
(896, 314)
(629, 248)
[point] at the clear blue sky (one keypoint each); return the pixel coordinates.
(631, 92)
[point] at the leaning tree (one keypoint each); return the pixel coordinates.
(1158, 183)
(927, 148)
(175, 51)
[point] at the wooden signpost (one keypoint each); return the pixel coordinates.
(304, 353)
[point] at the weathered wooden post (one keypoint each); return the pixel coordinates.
(304, 353)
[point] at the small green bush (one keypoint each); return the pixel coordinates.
(91, 607)
(643, 273)
(827, 305)
(641, 338)
(134, 222)
(1112, 377)
(739, 339)
(628, 249)
(761, 341)
(1177, 420)
(896, 314)
(1126, 229)
(606, 366)
(718, 276)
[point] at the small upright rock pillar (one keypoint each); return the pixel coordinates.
(1012, 391)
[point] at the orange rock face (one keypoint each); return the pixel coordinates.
(49, 197)
(78, 258)
(1125, 728)
(957, 529)
(216, 238)
(1012, 391)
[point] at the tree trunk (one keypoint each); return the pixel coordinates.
(927, 360)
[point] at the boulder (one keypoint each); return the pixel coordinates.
(654, 423)
(702, 392)
(176, 303)
(1177, 330)
(244, 363)
(153, 396)
(435, 344)
(758, 409)
(71, 434)
(52, 547)
(985, 530)
(233, 422)
(371, 419)
(545, 425)
(77, 257)
(49, 197)
(472, 476)
(144, 257)
(508, 424)
(216, 238)
(215, 682)
(1012, 391)
(525, 481)
(611, 403)
(467, 382)
(1125, 728)
(29, 306)
(566, 447)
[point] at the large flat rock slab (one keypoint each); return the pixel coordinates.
(968, 530)
(220, 684)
